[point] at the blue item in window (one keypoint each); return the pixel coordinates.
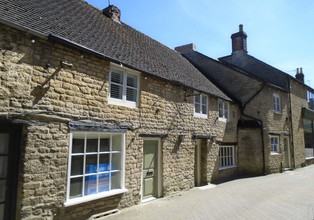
(104, 167)
(103, 182)
(90, 185)
(91, 168)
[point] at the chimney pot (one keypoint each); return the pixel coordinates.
(300, 76)
(241, 28)
(112, 12)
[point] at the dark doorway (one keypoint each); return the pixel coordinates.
(10, 142)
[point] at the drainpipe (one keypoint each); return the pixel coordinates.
(261, 123)
(291, 125)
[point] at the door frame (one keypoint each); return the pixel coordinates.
(286, 140)
(15, 138)
(197, 163)
(159, 168)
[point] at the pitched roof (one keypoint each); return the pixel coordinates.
(235, 83)
(258, 69)
(86, 27)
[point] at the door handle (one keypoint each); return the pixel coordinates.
(150, 173)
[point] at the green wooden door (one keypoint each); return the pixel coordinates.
(150, 169)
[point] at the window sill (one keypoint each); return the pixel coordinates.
(277, 113)
(274, 154)
(122, 103)
(228, 167)
(199, 115)
(89, 198)
(222, 119)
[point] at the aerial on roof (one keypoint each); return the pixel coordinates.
(80, 24)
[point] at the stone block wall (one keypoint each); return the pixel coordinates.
(36, 89)
(261, 107)
(250, 152)
(298, 100)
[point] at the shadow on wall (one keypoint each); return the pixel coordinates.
(88, 209)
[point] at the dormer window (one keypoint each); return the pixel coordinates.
(201, 106)
(124, 86)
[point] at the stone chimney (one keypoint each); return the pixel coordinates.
(239, 40)
(186, 48)
(112, 12)
(300, 76)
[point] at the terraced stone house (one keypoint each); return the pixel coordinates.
(96, 116)
(275, 129)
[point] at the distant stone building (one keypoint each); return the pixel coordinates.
(275, 108)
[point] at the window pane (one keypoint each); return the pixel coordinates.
(90, 185)
(103, 182)
(104, 144)
(76, 187)
(104, 162)
(131, 94)
(77, 146)
(4, 143)
(226, 113)
(2, 190)
(91, 164)
(132, 81)
(3, 166)
(116, 142)
(116, 180)
(1, 211)
(116, 161)
(197, 108)
(77, 165)
(117, 77)
(204, 109)
(92, 145)
(204, 100)
(197, 99)
(116, 91)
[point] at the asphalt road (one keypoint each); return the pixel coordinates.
(288, 195)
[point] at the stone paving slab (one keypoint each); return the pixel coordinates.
(288, 195)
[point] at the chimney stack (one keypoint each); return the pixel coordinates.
(239, 40)
(300, 76)
(112, 12)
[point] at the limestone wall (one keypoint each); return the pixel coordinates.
(274, 123)
(298, 100)
(34, 88)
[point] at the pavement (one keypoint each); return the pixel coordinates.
(288, 195)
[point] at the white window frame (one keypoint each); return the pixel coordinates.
(201, 104)
(227, 156)
(276, 103)
(274, 144)
(120, 154)
(223, 110)
(125, 73)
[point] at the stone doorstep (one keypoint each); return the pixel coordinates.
(209, 186)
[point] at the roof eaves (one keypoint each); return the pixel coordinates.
(24, 29)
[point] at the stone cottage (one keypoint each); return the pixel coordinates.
(274, 107)
(96, 116)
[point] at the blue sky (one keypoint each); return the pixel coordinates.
(280, 32)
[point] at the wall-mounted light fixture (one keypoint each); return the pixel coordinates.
(181, 138)
(189, 95)
(65, 64)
